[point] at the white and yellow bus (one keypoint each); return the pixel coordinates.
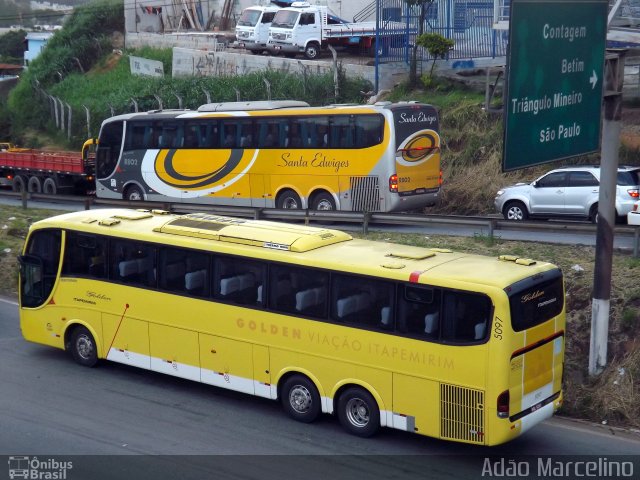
(285, 154)
(454, 346)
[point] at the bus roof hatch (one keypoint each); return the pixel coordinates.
(278, 236)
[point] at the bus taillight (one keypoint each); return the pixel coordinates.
(440, 180)
(503, 404)
(393, 183)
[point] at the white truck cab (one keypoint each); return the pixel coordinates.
(252, 28)
(298, 29)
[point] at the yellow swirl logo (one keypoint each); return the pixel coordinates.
(419, 147)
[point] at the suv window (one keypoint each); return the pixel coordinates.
(630, 177)
(582, 179)
(557, 179)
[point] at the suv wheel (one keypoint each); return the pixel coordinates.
(515, 211)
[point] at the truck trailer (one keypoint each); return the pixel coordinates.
(40, 171)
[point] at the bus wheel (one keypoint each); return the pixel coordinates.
(133, 194)
(312, 51)
(288, 199)
(300, 399)
(358, 412)
(35, 185)
(19, 184)
(323, 201)
(49, 186)
(83, 347)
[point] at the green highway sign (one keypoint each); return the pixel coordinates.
(554, 83)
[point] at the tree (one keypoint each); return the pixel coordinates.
(437, 46)
(413, 67)
(12, 46)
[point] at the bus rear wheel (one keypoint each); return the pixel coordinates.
(358, 412)
(83, 347)
(323, 201)
(289, 200)
(300, 399)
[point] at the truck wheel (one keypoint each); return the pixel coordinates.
(256, 52)
(312, 51)
(133, 194)
(19, 183)
(50, 186)
(35, 185)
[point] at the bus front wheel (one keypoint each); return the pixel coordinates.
(133, 194)
(358, 412)
(300, 399)
(83, 347)
(289, 200)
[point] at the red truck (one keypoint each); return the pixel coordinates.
(40, 171)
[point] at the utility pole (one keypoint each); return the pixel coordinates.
(611, 128)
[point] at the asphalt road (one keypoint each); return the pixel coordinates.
(52, 408)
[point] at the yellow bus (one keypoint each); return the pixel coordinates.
(284, 154)
(454, 346)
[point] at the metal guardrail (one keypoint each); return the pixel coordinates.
(491, 224)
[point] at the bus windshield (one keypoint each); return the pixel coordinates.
(536, 300)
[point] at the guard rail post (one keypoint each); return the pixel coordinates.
(23, 196)
(636, 241)
(257, 213)
(492, 227)
(366, 218)
(306, 217)
(87, 203)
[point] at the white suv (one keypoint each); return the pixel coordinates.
(567, 192)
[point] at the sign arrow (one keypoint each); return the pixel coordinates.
(593, 80)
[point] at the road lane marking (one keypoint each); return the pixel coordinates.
(10, 302)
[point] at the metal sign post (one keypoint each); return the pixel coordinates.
(612, 126)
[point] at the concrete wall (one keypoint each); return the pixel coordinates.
(191, 62)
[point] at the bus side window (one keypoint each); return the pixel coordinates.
(362, 301)
(84, 255)
(298, 290)
(419, 312)
(465, 317)
(133, 263)
(239, 281)
(369, 130)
